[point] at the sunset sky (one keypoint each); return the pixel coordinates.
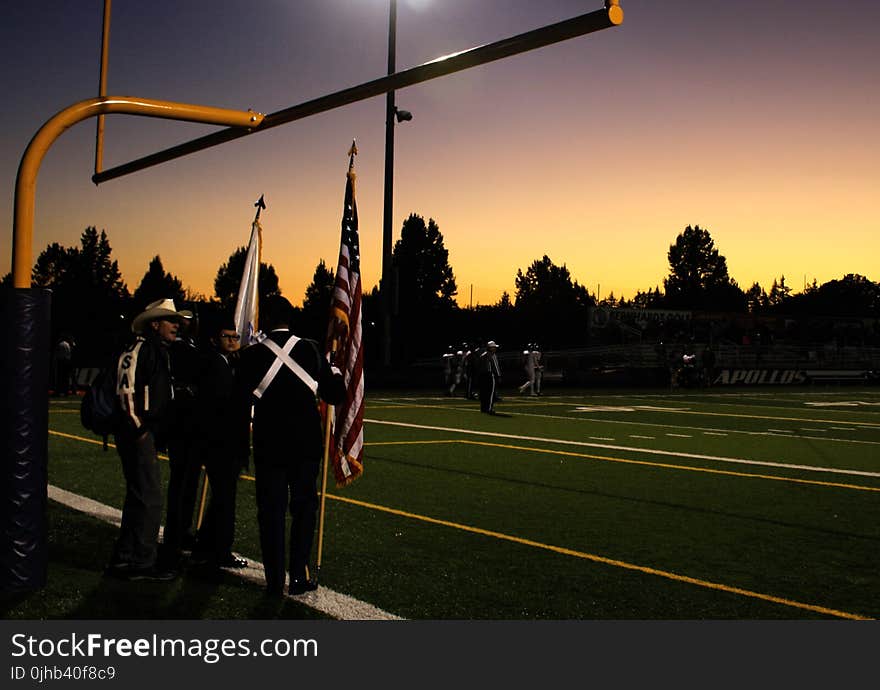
(759, 121)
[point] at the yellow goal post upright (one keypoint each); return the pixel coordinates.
(23, 364)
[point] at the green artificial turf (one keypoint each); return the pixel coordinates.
(614, 505)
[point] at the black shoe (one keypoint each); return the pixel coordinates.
(117, 569)
(150, 574)
(200, 557)
(232, 561)
(188, 542)
(302, 586)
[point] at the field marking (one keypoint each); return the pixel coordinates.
(841, 403)
(649, 451)
(680, 435)
(673, 410)
(777, 419)
(328, 601)
(607, 561)
(348, 608)
(634, 422)
(650, 438)
(669, 466)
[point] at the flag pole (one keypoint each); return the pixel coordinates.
(334, 345)
(328, 425)
(260, 204)
(203, 476)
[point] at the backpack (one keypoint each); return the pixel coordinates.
(100, 411)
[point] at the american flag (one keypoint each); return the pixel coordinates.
(347, 440)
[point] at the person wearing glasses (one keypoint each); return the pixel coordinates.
(223, 429)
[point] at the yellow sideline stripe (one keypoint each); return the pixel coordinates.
(110, 444)
(626, 461)
(606, 561)
(685, 468)
(409, 443)
(80, 438)
(569, 552)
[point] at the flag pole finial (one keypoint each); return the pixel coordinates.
(260, 204)
(352, 152)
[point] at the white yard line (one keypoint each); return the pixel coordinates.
(327, 601)
(648, 451)
(634, 422)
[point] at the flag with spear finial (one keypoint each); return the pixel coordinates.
(345, 345)
(247, 304)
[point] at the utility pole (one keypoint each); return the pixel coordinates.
(388, 207)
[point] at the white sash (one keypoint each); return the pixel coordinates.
(283, 358)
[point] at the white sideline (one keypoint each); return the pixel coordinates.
(327, 601)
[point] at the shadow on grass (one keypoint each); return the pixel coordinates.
(77, 589)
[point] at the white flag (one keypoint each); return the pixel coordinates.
(247, 304)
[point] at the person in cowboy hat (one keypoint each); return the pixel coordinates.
(144, 388)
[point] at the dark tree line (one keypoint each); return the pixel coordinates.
(92, 302)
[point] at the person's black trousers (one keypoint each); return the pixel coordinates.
(275, 485)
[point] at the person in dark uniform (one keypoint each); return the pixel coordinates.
(472, 370)
(182, 445)
(448, 360)
(223, 428)
(284, 376)
(490, 373)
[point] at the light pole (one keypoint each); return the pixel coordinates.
(392, 113)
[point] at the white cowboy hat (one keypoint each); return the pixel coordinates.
(491, 343)
(160, 309)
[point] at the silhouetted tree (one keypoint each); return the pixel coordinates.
(504, 302)
(651, 299)
(852, 295)
(316, 303)
(421, 261)
(779, 291)
(756, 298)
(157, 284)
(551, 306)
(425, 287)
(228, 279)
(89, 297)
(55, 265)
(698, 277)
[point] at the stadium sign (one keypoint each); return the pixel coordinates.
(783, 377)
